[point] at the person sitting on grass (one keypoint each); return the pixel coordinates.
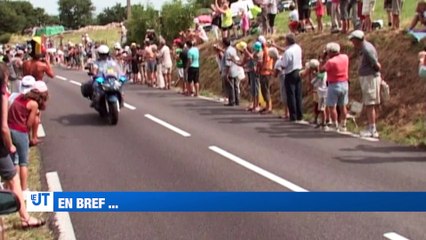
(422, 64)
(294, 23)
(419, 17)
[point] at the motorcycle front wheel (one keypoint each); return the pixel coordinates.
(113, 112)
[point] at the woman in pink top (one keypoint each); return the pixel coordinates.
(23, 112)
(337, 67)
(245, 22)
(320, 10)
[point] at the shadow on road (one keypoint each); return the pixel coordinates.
(381, 149)
(88, 119)
(379, 160)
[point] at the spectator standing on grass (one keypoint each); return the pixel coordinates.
(227, 22)
(151, 63)
(8, 172)
(369, 78)
(166, 63)
(265, 69)
(22, 115)
(396, 13)
(335, 16)
(367, 12)
(231, 72)
(344, 15)
(248, 63)
(292, 64)
(245, 22)
(319, 86)
(336, 65)
(280, 74)
(353, 12)
(387, 5)
(194, 69)
(303, 7)
(272, 13)
(320, 11)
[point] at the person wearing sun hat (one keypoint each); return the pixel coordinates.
(22, 118)
(369, 78)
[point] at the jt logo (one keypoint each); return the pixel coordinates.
(38, 198)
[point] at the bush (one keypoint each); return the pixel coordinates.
(5, 38)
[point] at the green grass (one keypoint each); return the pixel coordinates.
(412, 134)
(12, 221)
(107, 36)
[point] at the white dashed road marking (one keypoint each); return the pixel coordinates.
(62, 78)
(75, 83)
(128, 106)
(289, 185)
(394, 236)
(167, 125)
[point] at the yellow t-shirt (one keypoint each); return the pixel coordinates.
(227, 19)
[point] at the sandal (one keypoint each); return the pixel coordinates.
(27, 224)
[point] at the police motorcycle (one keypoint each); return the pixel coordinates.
(105, 92)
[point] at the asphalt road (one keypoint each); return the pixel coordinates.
(141, 155)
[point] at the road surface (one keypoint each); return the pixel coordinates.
(167, 142)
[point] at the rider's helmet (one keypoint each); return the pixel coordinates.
(103, 51)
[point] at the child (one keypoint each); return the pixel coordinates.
(422, 64)
(245, 22)
(294, 19)
(319, 84)
(319, 10)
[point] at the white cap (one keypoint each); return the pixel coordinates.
(314, 63)
(333, 47)
(357, 34)
(40, 86)
(273, 53)
(261, 39)
(196, 21)
(27, 84)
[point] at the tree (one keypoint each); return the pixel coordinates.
(75, 13)
(116, 13)
(176, 17)
(142, 18)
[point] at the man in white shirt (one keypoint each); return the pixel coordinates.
(166, 63)
(231, 72)
(292, 64)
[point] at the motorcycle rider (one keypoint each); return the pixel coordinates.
(104, 65)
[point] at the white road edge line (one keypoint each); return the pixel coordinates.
(394, 236)
(75, 83)
(167, 125)
(289, 185)
(63, 220)
(61, 78)
(40, 131)
(128, 106)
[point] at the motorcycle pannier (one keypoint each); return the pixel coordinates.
(87, 89)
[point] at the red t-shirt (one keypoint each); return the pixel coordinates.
(337, 69)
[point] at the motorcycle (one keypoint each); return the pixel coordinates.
(109, 99)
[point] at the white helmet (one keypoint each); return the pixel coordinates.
(103, 49)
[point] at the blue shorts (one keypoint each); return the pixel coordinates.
(338, 94)
(22, 144)
(254, 84)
